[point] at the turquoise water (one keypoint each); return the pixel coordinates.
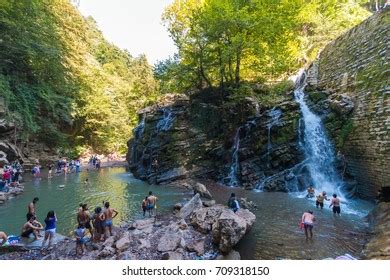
(275, 235)
(63, 194)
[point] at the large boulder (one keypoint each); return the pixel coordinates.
(202, 191)
(203, 219)
(194, 204)
(226, 226)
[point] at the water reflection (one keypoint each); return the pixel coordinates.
(63, 194)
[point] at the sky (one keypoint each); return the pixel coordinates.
(134, 25)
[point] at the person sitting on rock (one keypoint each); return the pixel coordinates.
(310, 192)
(32, 226)
(233, 203)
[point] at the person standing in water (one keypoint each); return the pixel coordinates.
(32, 208)
(50, 229)
(308, 222)
(110, 213)
(310, 192)
(144, 205)
(320, 199)
(152, 200)
(335, 202)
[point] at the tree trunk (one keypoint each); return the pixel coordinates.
(238, 65)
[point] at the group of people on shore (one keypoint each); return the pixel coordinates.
(308, 218)
(10, 176)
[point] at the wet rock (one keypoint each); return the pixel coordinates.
(194, 204)
(177, 207)
(245, 204)
(202, 191)
(232, 255)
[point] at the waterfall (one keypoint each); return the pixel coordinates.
(166, 122)
(274, 115)
(234, 167)
(317, 148)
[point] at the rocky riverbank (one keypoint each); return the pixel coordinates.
(193, 231)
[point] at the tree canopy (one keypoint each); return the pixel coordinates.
(63, 82)
(222, 42)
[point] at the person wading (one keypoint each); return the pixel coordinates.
(320, 200)
(335, 202)
(308, 222)
(32, 208)
(152, 200)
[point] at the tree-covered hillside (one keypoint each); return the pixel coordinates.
(63, 83)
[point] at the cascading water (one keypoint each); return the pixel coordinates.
(274, 115)
(166, 122)
(317, 148)
(233, 180)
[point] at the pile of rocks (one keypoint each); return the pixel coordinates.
(13, 191)
(193, 232)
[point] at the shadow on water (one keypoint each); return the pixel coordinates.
(63, 194)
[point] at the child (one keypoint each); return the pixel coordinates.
(80, 239)
(50, 228)
(144, 205)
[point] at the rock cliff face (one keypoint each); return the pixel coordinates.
(350, 86)
(8, 151)
(200, 136)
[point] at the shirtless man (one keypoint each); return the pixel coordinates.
(32, 208)
(3, 238)
(84, 218)
(335, 202)
(110, 214)
(320, 199)
(308, 222)
(31, 226)
(310, 192)
(152, 200)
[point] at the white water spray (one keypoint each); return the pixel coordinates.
(317, 148)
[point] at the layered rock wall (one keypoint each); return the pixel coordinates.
(356, 67)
